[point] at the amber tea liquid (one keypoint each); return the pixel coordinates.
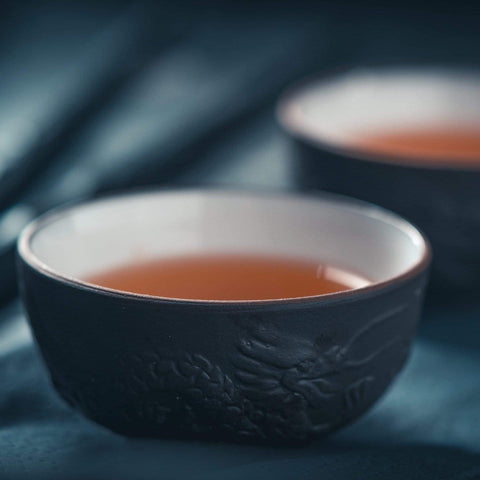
(448, 144)
(229, 277)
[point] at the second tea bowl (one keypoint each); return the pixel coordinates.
(327, 116)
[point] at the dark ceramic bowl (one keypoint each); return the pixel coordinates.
(443, 197)
(265, 370)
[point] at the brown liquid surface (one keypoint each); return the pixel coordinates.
(440, 144)
(233, 277)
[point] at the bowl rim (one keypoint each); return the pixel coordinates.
(26, 254)
(285, 118)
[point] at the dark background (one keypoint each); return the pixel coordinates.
(102, 96)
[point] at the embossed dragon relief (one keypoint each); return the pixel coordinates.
(283, 386)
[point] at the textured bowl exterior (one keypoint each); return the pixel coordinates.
(444, 203)
(276, 372)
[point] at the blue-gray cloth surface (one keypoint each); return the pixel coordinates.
(207, 96)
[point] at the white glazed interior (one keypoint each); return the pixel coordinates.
(344, 108)
(100, 235)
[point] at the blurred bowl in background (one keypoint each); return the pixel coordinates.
(329, 120)
(265, 370)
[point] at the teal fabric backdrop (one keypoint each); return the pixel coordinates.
(194, 99)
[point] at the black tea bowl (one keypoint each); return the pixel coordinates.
(326, 117)
(279, 370)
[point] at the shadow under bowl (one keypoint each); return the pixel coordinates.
(266, 370)
(325, 117)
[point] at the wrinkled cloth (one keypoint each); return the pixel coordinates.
(427, 426)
